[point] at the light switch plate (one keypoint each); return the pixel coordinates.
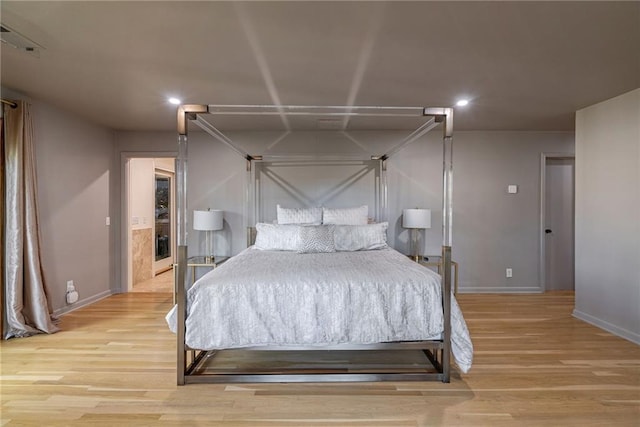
(512, 189)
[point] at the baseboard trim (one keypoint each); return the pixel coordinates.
(609, 327)
(83, 302)
(500, 290)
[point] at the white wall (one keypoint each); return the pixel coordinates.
(608, 215)
(166, 164)
(141, 188)
(74, 161)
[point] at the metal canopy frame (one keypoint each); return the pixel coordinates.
(438, 352)
(261, 171)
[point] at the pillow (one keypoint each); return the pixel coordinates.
(348, 216)
(361, 237)
(276, 237)
(316, 239)
(312, 216)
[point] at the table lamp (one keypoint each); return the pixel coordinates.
(208, 221)
(416, 220)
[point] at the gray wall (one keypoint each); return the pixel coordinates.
(131, 145)
(493, 230)
(608, 215)
(74, 161)
(217, 176)
(80, 170)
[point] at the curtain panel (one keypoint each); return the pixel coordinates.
(4, 201)
(27, 310)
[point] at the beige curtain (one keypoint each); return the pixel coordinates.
(2, 194)
(27, 310)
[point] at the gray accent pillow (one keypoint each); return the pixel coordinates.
(316, 239)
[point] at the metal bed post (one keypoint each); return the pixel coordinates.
(384, 209)
(249, 200)
(446, 115)
(447, 225)
(251, 197)
(184, 113)
(181, 166)
(446, 305)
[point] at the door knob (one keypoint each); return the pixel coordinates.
(547, 231)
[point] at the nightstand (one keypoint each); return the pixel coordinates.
(193, 263)
(436, 261)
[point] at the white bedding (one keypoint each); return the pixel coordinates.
(284, 298)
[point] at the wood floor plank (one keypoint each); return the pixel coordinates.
(113, 364)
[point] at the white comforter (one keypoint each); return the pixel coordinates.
(285, 298)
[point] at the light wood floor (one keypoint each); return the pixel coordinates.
(114, 365)
(163, 282)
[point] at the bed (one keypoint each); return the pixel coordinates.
(300, 299)
(356, 297)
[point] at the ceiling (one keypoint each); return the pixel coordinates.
(523, 65)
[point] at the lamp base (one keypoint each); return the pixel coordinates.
(415, 249)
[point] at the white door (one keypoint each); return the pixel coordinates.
(559, 224)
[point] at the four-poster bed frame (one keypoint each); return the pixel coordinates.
(438, 352)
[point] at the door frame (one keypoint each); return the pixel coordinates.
(126, 284)
(543, 212)
(166, 263)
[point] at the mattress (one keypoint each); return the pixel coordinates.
(263, 297)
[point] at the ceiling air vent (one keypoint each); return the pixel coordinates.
(16, 40)
(329, 124)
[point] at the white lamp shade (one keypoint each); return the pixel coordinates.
(208, 220)
(416, 218)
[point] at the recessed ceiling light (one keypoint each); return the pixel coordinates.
(175, 101)
(462, 102)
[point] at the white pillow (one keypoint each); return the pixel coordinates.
(348, 216)
(312, 216)
(361, 237)
(316, 239)
(277, 237)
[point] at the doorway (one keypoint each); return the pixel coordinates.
(557, 222)
(149, 213)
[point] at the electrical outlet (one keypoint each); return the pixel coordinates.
(70, 286)
(509, 272)
(72, 297)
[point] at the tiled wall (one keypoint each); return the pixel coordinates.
(141, 251)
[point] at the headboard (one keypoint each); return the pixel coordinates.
(313, 183)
